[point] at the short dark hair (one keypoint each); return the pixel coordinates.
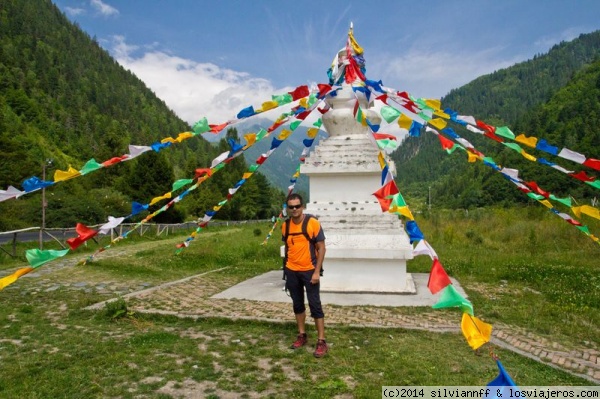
(294, 196)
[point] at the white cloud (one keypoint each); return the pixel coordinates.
(104, 8)
(566, 35)
(74, 11)
(192, 89)
(433, 74)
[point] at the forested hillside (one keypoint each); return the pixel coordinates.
(63, 98)
(506, 97)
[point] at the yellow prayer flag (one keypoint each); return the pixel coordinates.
(285, 133)
(404, 122)
(183, 136)
(250, 139)
(304, 103)
(216, 208)
(355, 46)
(433, 103)
(588, 210)
(267, 105)
(8, 280)
(476, 332)
(528, 156)
(546, 203)
(168, 140)
(439, 123)
(528, 141)
(472, 157)
(441, 114)
(61, 175)
(312, 132)
(156, 199)
(246, 175)
(381, 159)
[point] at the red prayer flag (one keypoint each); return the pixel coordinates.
(379, 136)
(488, 128)
(383, 98)
(447, 144)
(299, 92)
(592, 163)
(583, 177)
(493, 137)
(114, 160)
(384, 192)
(201, 172)
(261, 160)
(533, 186)
(84, 233)
(303, 115)
(218, 128)
(323, 89)
(438, 278)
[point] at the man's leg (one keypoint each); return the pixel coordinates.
(320, 325)
(301, 322)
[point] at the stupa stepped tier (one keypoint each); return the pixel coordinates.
(367, 249)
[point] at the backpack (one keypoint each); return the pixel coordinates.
(304, 232)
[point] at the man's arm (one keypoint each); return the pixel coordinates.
(320, 250)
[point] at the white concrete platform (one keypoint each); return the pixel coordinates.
(268, 287)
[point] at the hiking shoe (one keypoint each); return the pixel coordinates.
(300, 341)
(321, 348)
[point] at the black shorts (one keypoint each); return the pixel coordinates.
(295, 283)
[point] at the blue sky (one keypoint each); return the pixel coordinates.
(213, 58)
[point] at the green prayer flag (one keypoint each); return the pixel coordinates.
(504, 131)
(318, 123)
(90, 166)
(595, 183)
(398, 200)
(201, 126)
(535, 196)
(37, 258)
(451, 298)
(261, 133)
(282, 98)
(222, 203)
(390, 114)
(565, 201)
(451, 150)
(584, 229)
(426, 116)
(489, 160)
(253, 168)
(514, 146)
(312, 99)
(219, 166)
(180, 183)
(386, 143)
(294, 125)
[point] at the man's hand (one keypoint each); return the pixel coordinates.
(315, 278)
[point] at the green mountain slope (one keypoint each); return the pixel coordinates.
(502, 98)
(62, 97)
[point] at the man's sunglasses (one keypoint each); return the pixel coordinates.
(294, 206)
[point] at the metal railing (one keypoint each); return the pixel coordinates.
(60, 235)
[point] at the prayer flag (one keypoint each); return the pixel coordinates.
(61, 175)
(571, 155)
(299, 92)
(37, 258)
(84, 233)
(413, 231)
(8, 280)
(451, 298)
(438, 278)
(33, 183)
(11, 192)
(592, 163)
(201, 126)
(528, 141)
(180, 183)
(475, 331)
(504, 381)
(91, 166)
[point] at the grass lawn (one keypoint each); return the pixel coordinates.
(519, 267)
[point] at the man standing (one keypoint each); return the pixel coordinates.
(304, 253)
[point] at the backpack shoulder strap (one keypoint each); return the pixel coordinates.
(305, 227)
